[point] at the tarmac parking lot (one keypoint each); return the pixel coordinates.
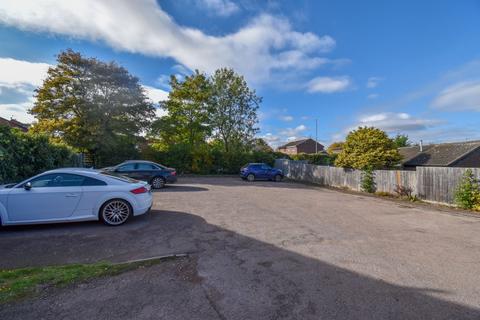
(260, 250)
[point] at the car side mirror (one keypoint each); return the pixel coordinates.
(27, 186)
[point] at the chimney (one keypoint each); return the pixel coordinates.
(421, 145)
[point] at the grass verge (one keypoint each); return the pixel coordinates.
(19, 283)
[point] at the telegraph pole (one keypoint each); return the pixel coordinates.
(316, 136)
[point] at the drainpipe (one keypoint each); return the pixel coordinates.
(421, 145)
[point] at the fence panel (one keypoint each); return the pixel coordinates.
(434, 184)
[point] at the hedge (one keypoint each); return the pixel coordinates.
(206, 159)
(23, 155)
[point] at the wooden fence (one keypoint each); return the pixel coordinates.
(432, 184)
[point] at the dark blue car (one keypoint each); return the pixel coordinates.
(260, 171)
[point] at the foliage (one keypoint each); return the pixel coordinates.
(188, 110)
(318, 159)
(368, 147)
(93, 106)
(19, 283)
(335, 146)
(234, 108)
(406, 193)
(260, 144)
(467, 194)
(205, 159)
(368, 180)
(401, 140)
(23, 155)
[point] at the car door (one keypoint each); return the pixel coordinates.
(267, 171)
(145, 171)
(127, 169)
(258, 171)
(52, 196)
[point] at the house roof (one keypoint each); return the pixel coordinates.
(14, 124)
(296, 143)
(443, 154)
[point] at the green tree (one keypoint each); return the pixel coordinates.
(467, 194)
(94, 106)
(335, 146)
(187, 120)
(368, 148)
(234, 109)
(260, 144)
(401, 140)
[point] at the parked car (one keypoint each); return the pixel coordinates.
(151, 172)
(73, 194)
(260, 171)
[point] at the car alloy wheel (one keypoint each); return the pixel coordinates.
(250, 177)
(278, 178)
(158, 183)
(116, 212)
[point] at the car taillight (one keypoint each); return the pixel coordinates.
(139, 190)
(174, 173)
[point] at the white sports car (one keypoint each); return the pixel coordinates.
(73, 194)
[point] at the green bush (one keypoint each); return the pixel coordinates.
(205, 159)
(318, 159)
(23, 155)
(368, 181)
(467, 194)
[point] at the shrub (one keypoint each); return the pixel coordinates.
(205, 159)
(368, 181)
(318, 159)
(23, 155)
(467, 194)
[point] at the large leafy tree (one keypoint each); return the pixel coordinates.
(187, 119)
(401, 140)
(234, 109)
(368, 148)
(96, 107)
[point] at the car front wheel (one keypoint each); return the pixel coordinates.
(115, 212)
(158, 183)
(251, 177)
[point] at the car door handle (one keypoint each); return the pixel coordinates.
(71, 195)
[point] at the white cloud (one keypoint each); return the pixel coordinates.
(18, 73)
(373, 82)
(286, 118)
(372, 96)
(223, 8)
(329, 84)
(395, 122)
(464, 96)
(292, 133)
(267, 44)
(154, 94)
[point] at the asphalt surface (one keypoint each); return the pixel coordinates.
(261, 250)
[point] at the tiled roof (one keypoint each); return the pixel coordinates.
(443, 154)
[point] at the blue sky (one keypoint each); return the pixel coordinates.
(409, 67)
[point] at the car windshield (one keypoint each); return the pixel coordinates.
(118, 177)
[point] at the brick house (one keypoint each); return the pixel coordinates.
(12, 123)
(456, 154)
(301, 146)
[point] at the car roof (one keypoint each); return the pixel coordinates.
(74, 170)
(256, 163)
(138, 161)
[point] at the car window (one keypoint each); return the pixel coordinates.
(118, 177)
(126, 167)
(255, 166)
(146, 166)
(93, 182)
(57, 180)
(266, 167)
